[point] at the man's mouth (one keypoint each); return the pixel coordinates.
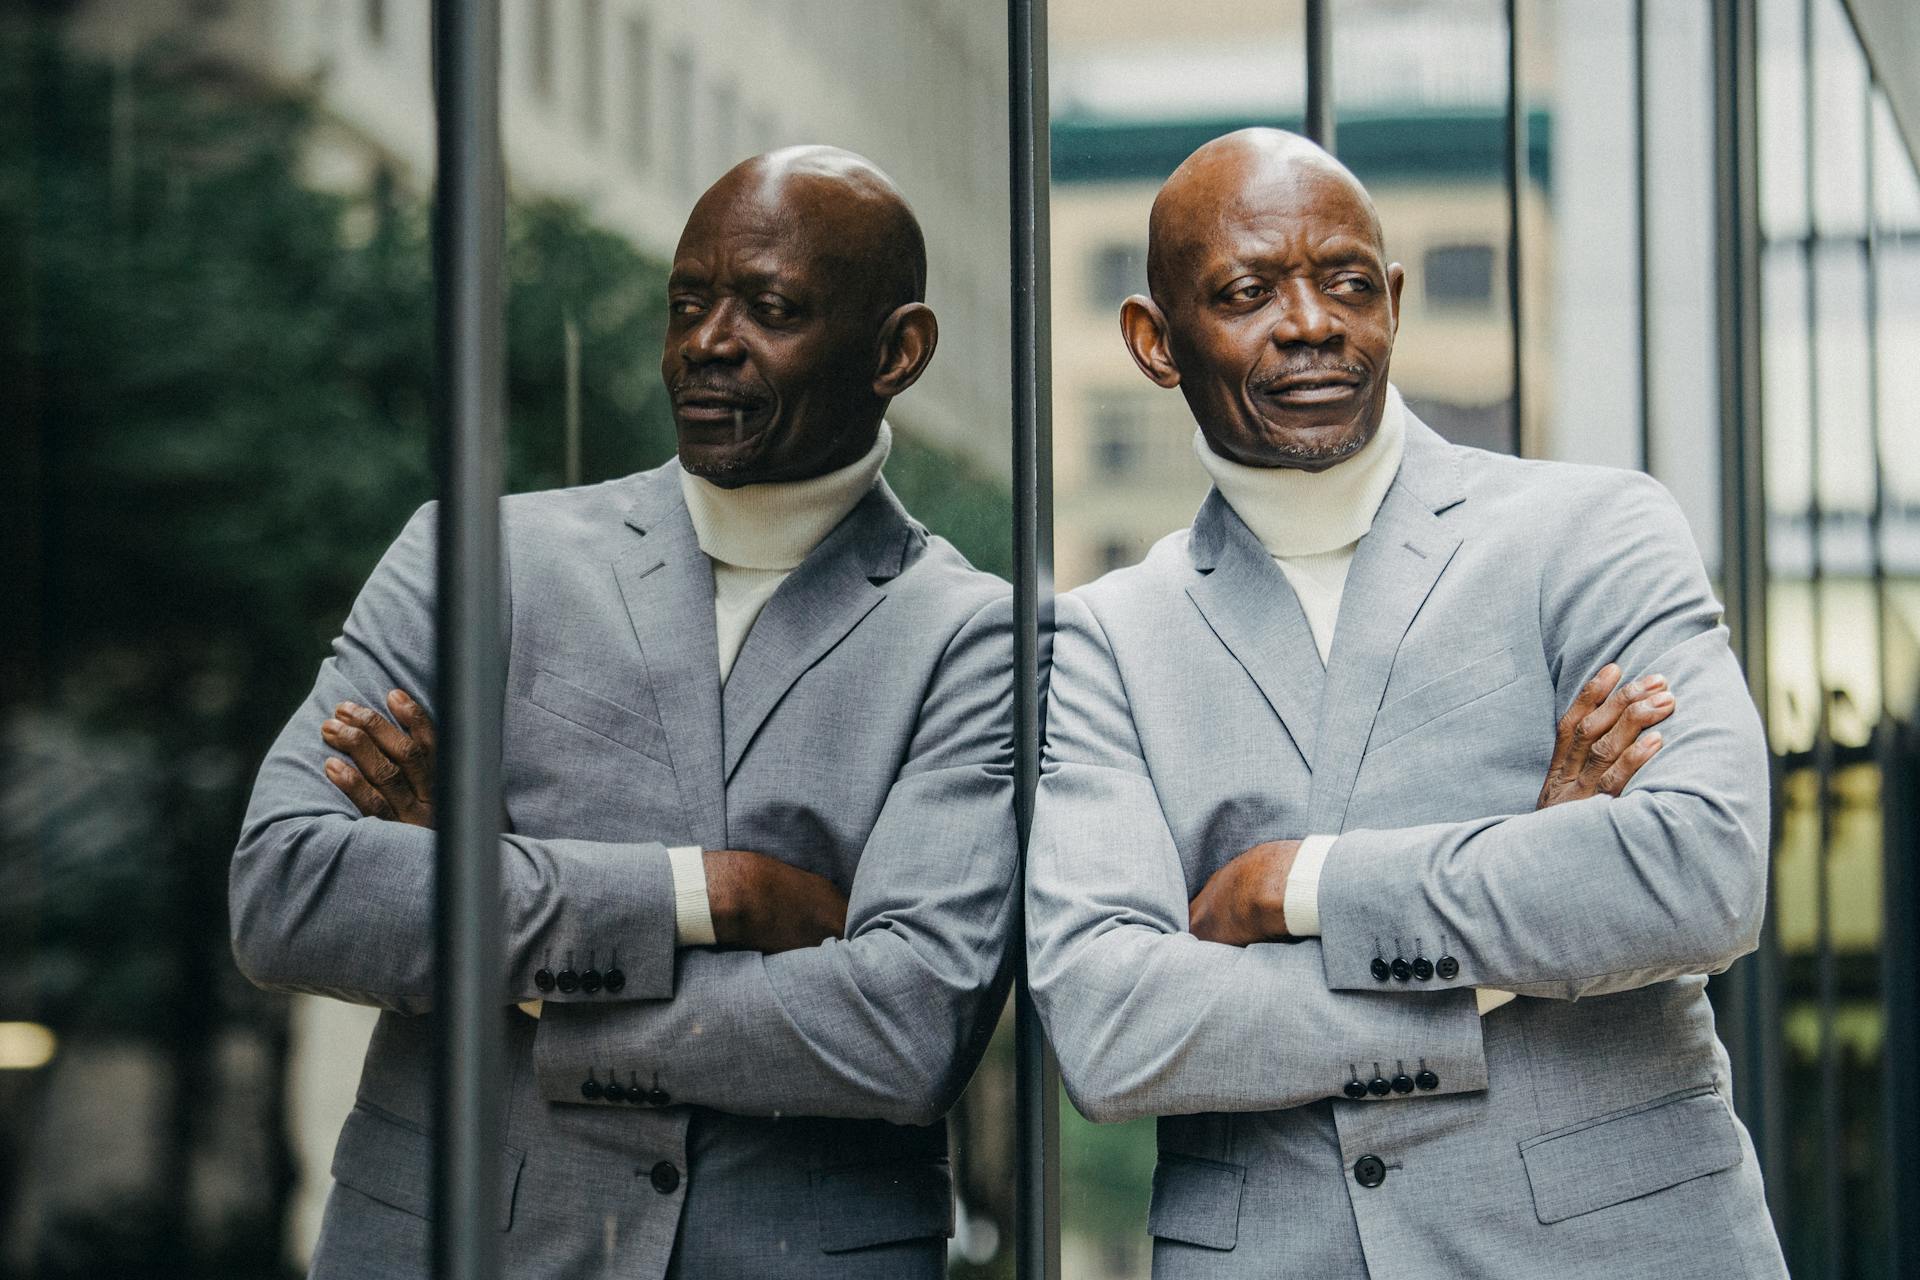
(1312, 387)
(714, 407)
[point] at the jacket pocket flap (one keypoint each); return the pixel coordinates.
(1437, 697)
(868, 1204)
(1627, 1154)
(596, 714)
(386, 1160)
(1197, 1201)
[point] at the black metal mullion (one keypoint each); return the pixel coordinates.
(1320, 120)
(1036, 1077)
(470, 652)
(1516, 174)
(1750, 990)
(1643, 231)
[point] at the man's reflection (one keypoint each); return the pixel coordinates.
(757, 771)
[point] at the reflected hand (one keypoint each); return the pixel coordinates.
(1606, 736)
(1245, 901)
(388, 770)
(762, 904)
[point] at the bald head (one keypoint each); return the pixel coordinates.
(846, 206)
(1242, 173)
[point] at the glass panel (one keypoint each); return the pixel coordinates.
(218, 348)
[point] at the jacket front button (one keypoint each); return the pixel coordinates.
(665, 1178)
(1427, 1081)
(1422, 968)
(1381, 972)
(568, 981)
(1448, 968)
(1370, 1171)
(1401, 969)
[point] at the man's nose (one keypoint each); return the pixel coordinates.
(1302, 316)
(714, 338)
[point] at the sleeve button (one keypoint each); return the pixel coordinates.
(543, 979)
(1447, 967)
(1356, 1089)
(1381, 972)
(1427, 1081)
(568, 981)
(1422, 968)
(1401, 969)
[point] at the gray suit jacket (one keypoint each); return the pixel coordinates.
(1582, 1132)
(791, 1106)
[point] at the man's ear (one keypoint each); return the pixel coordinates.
(1144, 330)
(1396, 281)
(907, 339)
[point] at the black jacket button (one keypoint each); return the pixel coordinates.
(1422, 968)
(568, 981)
(543, 979)
(1355, 1089)
(590, 981)
(616, 1092)
(658, 1097)
(1401, 969)
(665, 1178)
(616, 979)
(1379, 1087)
(1403, 1083)
(1370, 1171)
(1380, 970)
(1427, 1081)
(590, 1089)
(1447, 967)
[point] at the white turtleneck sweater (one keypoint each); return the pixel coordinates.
(755, 536)
(1310, 523)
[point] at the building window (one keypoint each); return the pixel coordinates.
(1118, 436)
(1459, 275)
(373, 20)
(639, 94)
(679, 104)
(540, 48)
(593, 106)
(1115, 273)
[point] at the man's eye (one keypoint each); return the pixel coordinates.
(683, 306)
(1248, 291)
(773, 307)
(1351, 285)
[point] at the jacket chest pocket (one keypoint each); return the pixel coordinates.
(590, 713)
(1442, 696)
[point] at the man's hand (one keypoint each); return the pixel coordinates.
(1603, 740)
(388, 772)
(758, 903)
(762, 904)
(1605, 737)
(1246, 900)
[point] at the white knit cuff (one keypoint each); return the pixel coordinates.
(692, 914)
(1303, 887)
(1487, 999)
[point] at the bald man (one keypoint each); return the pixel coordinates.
(760, 860)
(1296, 883)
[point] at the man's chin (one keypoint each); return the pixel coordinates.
(727, 463)
(1307, 447)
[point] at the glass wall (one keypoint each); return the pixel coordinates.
(217, 339)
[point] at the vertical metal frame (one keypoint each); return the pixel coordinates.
(1749, 992)
(1036, 1076)
(1321, 126)
(468, 238)
(1643, 233)
(1516, 174)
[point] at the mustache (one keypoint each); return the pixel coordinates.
(716, 387)
(1306, 368)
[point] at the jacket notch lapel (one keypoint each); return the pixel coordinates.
(819, 603)
(1250, 607)
(1394, 570)
(666, 583)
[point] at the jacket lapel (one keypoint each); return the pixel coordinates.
(823, 599)
(1248, 603)
(1394, 570)
(666, 583)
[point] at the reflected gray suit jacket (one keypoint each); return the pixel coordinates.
(1582, 1131)
(790, 1112)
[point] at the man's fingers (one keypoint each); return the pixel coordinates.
(414, 716)
(395, 743)
(1653, 704)
(373, 763)
(1592, 696)
(1620, 772)
(368, 801)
